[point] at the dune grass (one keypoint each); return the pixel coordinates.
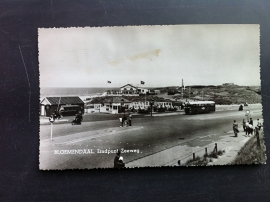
(251, 153)
(205, 159)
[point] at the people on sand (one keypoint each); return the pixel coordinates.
(118, 160)
(235, 128)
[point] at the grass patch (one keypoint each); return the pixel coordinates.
(250, 153)
(203, 161)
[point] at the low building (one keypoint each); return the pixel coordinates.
(68, 106)
(111, 105)
(129, 89)
(145, 104)
(228, 84)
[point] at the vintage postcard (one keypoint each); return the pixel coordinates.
(150, 96)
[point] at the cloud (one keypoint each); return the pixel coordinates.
(145, 55)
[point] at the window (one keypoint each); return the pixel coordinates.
(115, 107)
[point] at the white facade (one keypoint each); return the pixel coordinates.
(146, 104)
(131, 90)
(113, 108)
(92, 108)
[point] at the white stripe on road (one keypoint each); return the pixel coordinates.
(97, 136)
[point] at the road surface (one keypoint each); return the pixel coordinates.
(147, 135)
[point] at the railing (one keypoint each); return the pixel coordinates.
(192, 155)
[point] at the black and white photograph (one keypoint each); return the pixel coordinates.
(150, 96)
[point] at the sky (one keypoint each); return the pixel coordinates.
(158, 55)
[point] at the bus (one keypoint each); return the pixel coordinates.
(198, 107)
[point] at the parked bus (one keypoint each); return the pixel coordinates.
(198, 107)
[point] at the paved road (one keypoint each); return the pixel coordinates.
(148, 135)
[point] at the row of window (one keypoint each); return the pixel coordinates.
(203, 105)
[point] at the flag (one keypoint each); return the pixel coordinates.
(109, 82)
(142, 82)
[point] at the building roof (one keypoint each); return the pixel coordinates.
(62, 100)
(112, 99)
(201, 102)
(129, 85)
(115, 100)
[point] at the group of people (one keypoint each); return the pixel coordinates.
(126, 120)
(57, 115)
(247, 127)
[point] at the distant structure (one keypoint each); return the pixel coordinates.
(69, 106)
(128, 90)
(228, 84)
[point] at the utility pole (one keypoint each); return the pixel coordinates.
(189, 92)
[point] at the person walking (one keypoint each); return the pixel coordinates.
(235, 128)
(129, 119)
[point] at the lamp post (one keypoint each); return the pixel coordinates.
(151, 105)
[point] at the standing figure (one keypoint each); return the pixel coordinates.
(251, 121)
(247, 129)
(244, 125)
(235, 128)
(129, 119)
(251, 129)
(118, 160)
(124, 118)
(259, 124)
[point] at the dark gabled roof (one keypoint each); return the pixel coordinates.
(129, 85)
(64, 100)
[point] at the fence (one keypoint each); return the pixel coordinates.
(212, 147)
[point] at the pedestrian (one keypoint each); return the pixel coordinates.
(129, 119)
(118, 161)
(251, 121)
(235, 128)
(124, 119)
(259, 124)
(247, 129)
(251, 129)
(121, 122)
(244, 125)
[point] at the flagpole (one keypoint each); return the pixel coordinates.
(58, 104)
